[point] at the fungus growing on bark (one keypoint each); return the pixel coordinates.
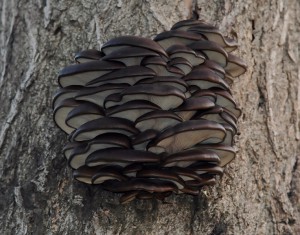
(149, 118)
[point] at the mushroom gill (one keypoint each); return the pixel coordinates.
(151, 118)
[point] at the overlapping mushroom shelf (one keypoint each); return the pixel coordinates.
(148, 118)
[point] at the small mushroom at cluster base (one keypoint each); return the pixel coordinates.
(151, 118)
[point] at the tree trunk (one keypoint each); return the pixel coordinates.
(260, 190)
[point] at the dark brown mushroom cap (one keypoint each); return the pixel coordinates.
(80, 152)
(165, 96)
(212, 50)
(189, 172)
(122, 157)
(169, 38)
(83, 113)
(108, 173)
(206, 180)
(206, 168)
(81, 74)
(84, 174)
(132, 169)
(99, 126)
(97, 95)
(130, 56)
(196, 103)
(230, 132)
(157, 120)
(225, 99)
(182, 51)
(116, 43)
(235, 66)
(166, 80)
(149, 185)
(214, 35)
(69, 147)
(218, 69)
(226, 153)
(141, 140)
(160, 67)
(217, 114)
(163, 174)
(129, 75)
(62, 110)
(132, 110)
(64, 93)
(206, 93)
(88, 55)
(205, 78)
(181, 63)
(187, 134)
(188, 157)
(186, 24)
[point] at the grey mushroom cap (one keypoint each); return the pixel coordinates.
(165, 96)
(64, 93)
(214, 35)
(157, 120)
(79, 153)
(212, 50)
(163, 174)
(187, 134)
(186, 24)
(235, 66)
(181, 63)
(128, 75)
(188, 157)
(169, 38)
(116, 43)
(182, 51)
(132, 110)
(226, 153)
(83, 113)
(62, 110)
(97, 95)
(205, 78)
(108, 173)
(141, 140)
(167, 80)
(103, 125)
(88, 55)
(130, 56)
(123, 157)
(81, 74)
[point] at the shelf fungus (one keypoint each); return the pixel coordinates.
(150, 118)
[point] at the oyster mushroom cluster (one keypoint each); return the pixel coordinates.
(148, 118)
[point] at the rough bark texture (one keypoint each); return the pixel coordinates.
(260, 191)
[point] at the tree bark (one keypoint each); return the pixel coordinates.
(260, 190)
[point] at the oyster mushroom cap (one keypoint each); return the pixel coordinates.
(185, 135)
(188, 157)
(79, 153)
(165, 96)
(122, 157)
(120, 42)
(157, 120)
(129, 75)
(132, 110)
(212, 50)
(182, 51)
(82, 74)
(103, 125)
(235, 66)
(84, 113)
(169, 38)
(88, 55)
(129, 55)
